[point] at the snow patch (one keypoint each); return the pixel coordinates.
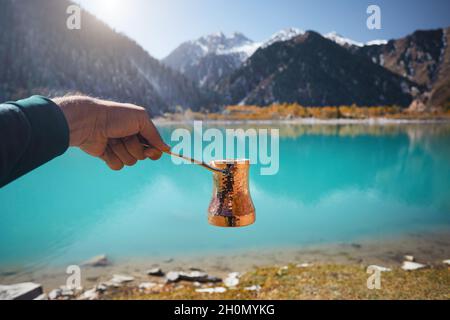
(283, 35)
(244, 51)
(342, 41)
(444, 45)
(221, 44)
(376, 42)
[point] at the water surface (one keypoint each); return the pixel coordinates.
(335, 184)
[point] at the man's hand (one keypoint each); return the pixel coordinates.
(110, 130)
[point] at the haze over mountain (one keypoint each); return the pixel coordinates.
(39, 54)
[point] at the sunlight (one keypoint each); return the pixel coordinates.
(109, 10)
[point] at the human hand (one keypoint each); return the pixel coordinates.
(110, 130)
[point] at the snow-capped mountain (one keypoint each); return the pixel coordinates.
(283, 35)
(346, 42)
(191, 52)
(207, 59)
(323, 70)
(314, 71)
(212, 57)
(342, 41)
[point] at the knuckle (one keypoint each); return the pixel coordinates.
(114, 142)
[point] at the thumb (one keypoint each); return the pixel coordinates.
(149, 132)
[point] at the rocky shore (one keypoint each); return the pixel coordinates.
(413, 280)
(413, 267)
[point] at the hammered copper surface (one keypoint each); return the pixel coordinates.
(231, 204)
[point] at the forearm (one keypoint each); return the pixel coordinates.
(32, 132)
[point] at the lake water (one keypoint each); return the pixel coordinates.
(335, 184)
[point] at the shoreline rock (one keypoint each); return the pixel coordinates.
(146, 286)
(304, 265)
(91, 294)
(120, 279)
(155, 272)
(211, 290)
(380, 268)
(193, 276)
(256, 287)
(97, 261)
(232, 280)
(410, 266)
(21, 291)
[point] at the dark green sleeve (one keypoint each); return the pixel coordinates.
(32, 132)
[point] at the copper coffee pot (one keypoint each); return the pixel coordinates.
(231, 204)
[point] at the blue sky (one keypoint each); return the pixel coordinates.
(161, 25)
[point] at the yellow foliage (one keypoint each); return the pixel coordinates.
(286, 111)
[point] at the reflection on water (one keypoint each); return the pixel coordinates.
(336, 183)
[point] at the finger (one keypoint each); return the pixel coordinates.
(111, 159)
(134, 147)
(121, 152)
(96, 149)
(151, 134)
(153, 153)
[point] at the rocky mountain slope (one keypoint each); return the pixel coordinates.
(422, 57)
(314, 71)
(40, 55)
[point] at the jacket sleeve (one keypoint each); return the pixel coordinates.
(32, 132)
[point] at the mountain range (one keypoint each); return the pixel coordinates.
(423, 58)
(39, 55)
(319, 70)
(210, 58)
(314, 71)
(213, 57)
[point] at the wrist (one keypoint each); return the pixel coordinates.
(75, 110)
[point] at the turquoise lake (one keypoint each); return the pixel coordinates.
(336, 183)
